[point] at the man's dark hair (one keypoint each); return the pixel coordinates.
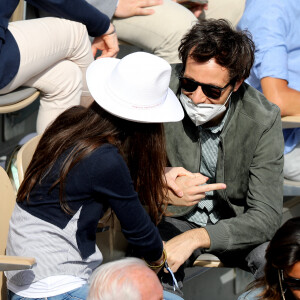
(217, 39)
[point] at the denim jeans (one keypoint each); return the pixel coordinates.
(77, 294)
(171, 296)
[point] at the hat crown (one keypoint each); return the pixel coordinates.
(135, 88)
(140, 80)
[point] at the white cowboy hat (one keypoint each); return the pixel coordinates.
(134, 88)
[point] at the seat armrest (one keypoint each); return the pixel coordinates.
(208, 260)
(290, 122)
(9, 263)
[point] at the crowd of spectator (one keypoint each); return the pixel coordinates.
(183, 141)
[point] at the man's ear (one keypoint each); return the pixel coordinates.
(238, 84)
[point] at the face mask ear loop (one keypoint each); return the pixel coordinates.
(280, 284)
(224, 103)
(228, 97)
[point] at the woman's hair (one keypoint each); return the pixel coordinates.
(83, 130)
(216, 39)
(282, 253)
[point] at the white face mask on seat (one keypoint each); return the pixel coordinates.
(202, 113)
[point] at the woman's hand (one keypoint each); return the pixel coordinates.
(107, 43)
(195, 7)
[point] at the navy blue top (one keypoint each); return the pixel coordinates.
(100, 180)
(77, 10)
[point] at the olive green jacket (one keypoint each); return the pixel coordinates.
(250, 163)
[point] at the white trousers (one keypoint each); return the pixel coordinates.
(54, 56)
(159, 33)
(291, 169)
(232, 10)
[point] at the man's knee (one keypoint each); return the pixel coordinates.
(291, 167)
(63, 83)
(164, 29)
(256, 260)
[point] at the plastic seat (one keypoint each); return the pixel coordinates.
(17, 99)
(290, 122)
(24, 156)
(19, 13)
(208, 260)
(7, 203)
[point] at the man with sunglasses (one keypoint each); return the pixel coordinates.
(231, 140)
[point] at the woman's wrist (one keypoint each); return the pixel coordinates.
(111, 30)
(159, 263)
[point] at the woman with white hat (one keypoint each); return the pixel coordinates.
(110, 154)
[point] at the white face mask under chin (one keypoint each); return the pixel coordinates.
(202, 113)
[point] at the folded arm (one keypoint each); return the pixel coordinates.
(277, 91)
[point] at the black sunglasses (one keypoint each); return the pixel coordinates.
(290, 282)
(211, 91)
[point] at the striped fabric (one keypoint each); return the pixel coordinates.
(207, 210)
(43, 241)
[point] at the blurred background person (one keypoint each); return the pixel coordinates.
(52, 54)
(274, 26)
(281, 280)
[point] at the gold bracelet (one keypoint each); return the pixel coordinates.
(153, 267)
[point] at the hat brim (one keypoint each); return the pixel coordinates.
(97, 76)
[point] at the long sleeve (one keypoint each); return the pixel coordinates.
(112, 181)
(77, 10)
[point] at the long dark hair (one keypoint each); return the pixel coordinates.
(85, 129)
(282, 253)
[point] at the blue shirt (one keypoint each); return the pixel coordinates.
(76, 10)
(274, 26)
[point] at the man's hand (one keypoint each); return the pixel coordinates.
(129, 8)
(181, 247)
(195, 7)
(107, 43)
(171, 173)
(194, 190)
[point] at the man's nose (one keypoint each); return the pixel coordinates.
(198, 96)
